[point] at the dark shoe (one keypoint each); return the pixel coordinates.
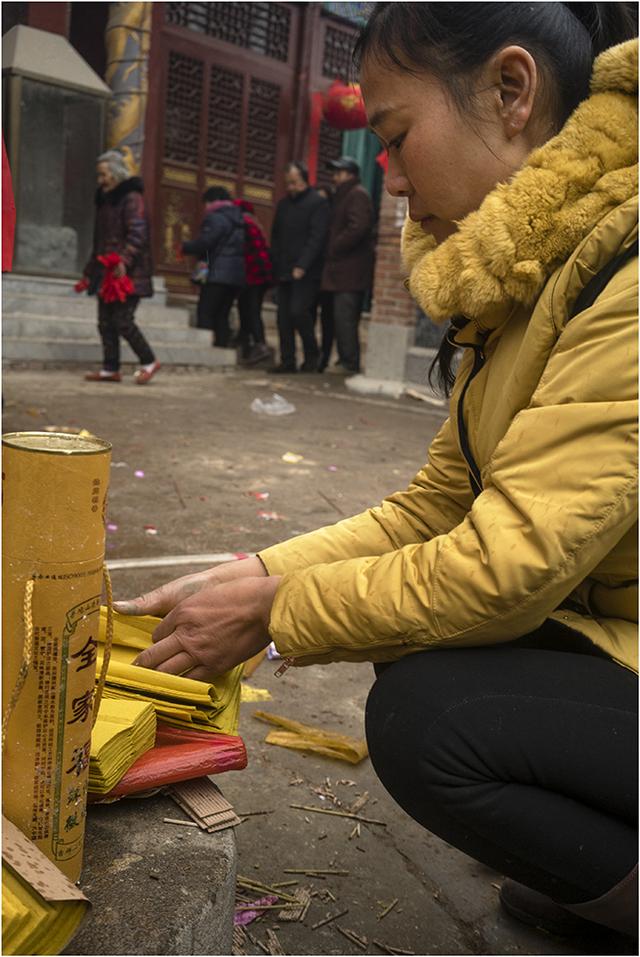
(103, 376)
(282, 370)
(538, 910)
(308, 367)
(258, 353)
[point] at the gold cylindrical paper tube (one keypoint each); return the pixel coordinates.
(53, 512)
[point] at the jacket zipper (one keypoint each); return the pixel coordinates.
(475, 477)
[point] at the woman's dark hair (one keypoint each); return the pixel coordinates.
(300, 167)
(215, 193)
(452, 41)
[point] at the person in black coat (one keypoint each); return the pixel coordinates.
(221, 271)
(297, 244)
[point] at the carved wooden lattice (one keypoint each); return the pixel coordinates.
(329, 148)
(225, 120)
(262, 27)
(182, 108)
(262, 130)
(336, 55)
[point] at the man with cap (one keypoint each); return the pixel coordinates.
(348, 265)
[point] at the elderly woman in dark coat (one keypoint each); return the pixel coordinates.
(121, 227)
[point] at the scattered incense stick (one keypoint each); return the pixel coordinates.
(315, 871)
(180, 498)
(324, 810)
(285, 883)
(331, 503)
(328, 920)
(263, 888)
(252, 813)
(263, 906)
(388, 909)
(392, 950)
(350, 935)
(174, 820)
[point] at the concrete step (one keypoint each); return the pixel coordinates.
(37, 326)
(48, 286)
(418, 363)
(85, 307)
(75, 350)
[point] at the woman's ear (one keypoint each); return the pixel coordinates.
(517, 81)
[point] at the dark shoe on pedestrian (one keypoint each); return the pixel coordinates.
(258, 353)
(309, 367)
(281, 370)
(104, 375)
(146, 374)
(537, 910)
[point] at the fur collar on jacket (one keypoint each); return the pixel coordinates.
(503, 253)
(113, 196)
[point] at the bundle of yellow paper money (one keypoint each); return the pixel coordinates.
(35, 922)
(203, 706)
(124, 730)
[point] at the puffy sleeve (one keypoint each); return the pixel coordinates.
(559, 492)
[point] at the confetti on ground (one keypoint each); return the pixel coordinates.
(112, 527)
(270, 516)
(261, 496)
(119, 465)
(139, 473)
(332, 468)
(151, 529)
(292, 457)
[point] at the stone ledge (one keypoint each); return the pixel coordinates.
(155, 888)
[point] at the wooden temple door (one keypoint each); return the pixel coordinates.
(226, 91)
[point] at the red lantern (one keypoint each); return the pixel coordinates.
(344, 107)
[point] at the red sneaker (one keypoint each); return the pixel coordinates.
(103, 376)
(142, 376)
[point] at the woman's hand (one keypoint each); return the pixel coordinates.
(214, 629)
(164, 599)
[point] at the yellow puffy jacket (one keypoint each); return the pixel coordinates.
(544, 411)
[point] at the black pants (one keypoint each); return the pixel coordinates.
(324, 307)
(214, 306)
(296, 302)
(117, 319)
(250, 311)
(347, 307)
(521, 756)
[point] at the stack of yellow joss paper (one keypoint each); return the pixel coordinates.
(124, 730)
(180, 701)
(41, 909)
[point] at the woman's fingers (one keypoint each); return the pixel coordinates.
(164, 650)
(180, 664)
(162, 600)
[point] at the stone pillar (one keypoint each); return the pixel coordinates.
(128, 39)
(393, 317)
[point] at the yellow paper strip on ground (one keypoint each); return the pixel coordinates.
(305, 737)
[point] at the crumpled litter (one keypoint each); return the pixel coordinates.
(244, 917)
(249, 693)
(276, 405)
(261, 496)
(292, 457)
(304, 737)
(270, 516)
(150, 530)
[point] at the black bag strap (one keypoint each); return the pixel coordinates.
(597, 283)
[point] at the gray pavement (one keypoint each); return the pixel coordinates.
(202, 452)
